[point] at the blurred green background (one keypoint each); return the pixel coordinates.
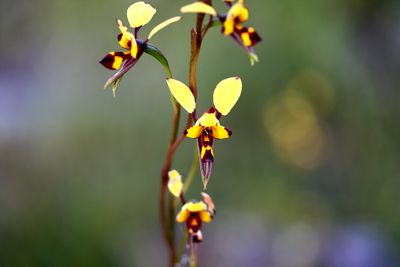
(309, 178)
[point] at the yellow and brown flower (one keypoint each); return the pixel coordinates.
(232, 24)
(207, 127)
(194, 214)
(139, 14)
(238, 13)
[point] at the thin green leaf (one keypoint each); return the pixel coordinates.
(156, 53)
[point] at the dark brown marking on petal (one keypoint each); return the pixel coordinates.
(207, 153)
(255, 38)
(113, 60)
(207, 138)
(212, 110)
(229, 131)
(197, 237)
(247, 31)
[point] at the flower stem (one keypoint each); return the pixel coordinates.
(196, 41)
(193, 253)
(192, 172)
(167, 225)
(163, 190)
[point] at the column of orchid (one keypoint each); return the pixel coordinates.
(204, 128)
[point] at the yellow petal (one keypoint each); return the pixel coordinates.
(195, 206)
(162, 25)
(199, 7)
(126, 38)
(208, 120)
(134, 48)
(126, 35)
(229, 25)
(183, 215)
(220, 132)
(226, 94)
(239, 11)
(140, 14)
(245, 36)
(236, 14)
(194, 131)
(243, 14)
(205, 216)
(182, 94)
(122, 27)
(175, 184)
(174, 175)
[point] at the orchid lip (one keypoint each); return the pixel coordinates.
(206, 169)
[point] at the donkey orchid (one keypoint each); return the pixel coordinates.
(139, 14)
(208, 127)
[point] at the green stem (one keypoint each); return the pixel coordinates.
(193, 254)
(192, 172)
(212, 22)
(166, 229)
(182, 244)
(196, 40)
(167, 221)
(196, 37)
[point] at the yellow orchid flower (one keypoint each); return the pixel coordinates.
(139, 14)
(208, 127)
(194, 214)
(237, 14)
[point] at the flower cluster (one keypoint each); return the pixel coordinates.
(204, 128)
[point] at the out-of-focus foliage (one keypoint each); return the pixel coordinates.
(310, 176)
